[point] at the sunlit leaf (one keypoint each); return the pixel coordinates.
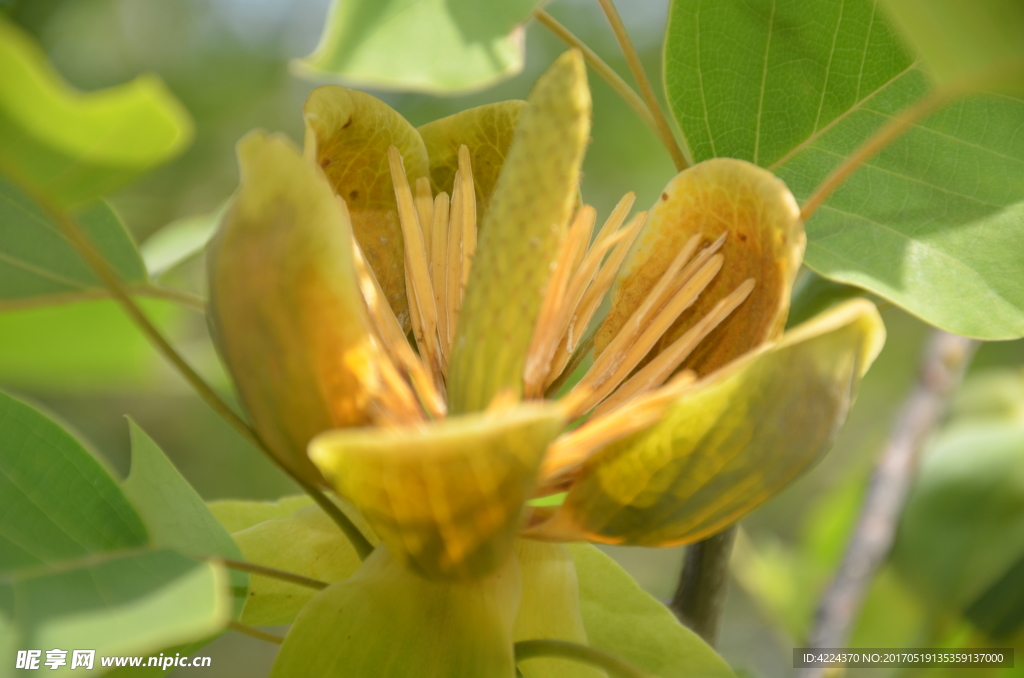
(931, 223)
(981, 41)
(487, 132)
(119, 605)
(174, 514)
(626, 621)
(963, 527)
(519, 238)
(74, 146)
(446, 498)
(550, 608)
(284, 303)
(437, 46)
(307, 542)
(388, 622)
(57, 502)
(180, 241)
(730, 443)
(764, 241)
(37, 263)
(239, 514)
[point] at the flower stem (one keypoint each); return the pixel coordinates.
(272, 573)
(528, 649)
(76, 236)
(700, 596)
(255, 633)
(681, 159)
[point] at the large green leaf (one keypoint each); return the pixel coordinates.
(38, 264)
(931, 223)
(120, 605)
(174, 513)
(238, 514)
(624, 620)
(56, 501)
(439, 46)
(180, 241)
(75, 146)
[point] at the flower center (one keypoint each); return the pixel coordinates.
(621, 391)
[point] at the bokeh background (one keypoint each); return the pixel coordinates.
(228, 62)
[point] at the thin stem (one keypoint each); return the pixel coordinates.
(528, 649)
(600, 67)
(139, 290)
(264, 571)
(159, 292)
(878, 141)
(699, 599)
(255, 633)
(637, 69)
(945, 359)
(73, 231)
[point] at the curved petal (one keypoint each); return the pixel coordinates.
(730, 443)
(447, 498)
(764, 240)
(348, 134)
(284, 305)
(520, 238)
(487, 132)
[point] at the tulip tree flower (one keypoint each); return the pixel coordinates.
(467, 235)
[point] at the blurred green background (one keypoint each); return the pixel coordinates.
(228, 62)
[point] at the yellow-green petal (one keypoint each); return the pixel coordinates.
(519, 238)
(487, 131)
(308, 543)
(550, 608)
(446, 498)
(284, 304)
(764, 241)
(388, 622)
(348, 134)
(729, 444)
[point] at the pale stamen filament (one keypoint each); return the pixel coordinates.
(439, 275)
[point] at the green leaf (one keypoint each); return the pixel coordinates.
(238, 514)
(307, 542)
(119, 605)
(931, 223)
(963, 527)
(388, 622)
(981, 41)
(74, 146)
(999, 611)
(173, 512)
(437, 46)
(82, 347)
(624, 620)
(180, 241)
(37, 263)
(56, 501)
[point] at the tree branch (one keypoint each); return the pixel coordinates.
(945, 359)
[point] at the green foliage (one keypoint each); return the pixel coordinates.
(37, 263)
(119, 604)
(438, 46)
(966, 43)
(56, 501)
(173, 512)
(180, 241)
(237, 514)
(931, 223)
(623, 620)
(72, 146)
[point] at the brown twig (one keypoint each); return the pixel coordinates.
(272, 573)
(700, 596)
(664, 130)
(255, 633)
(945, 359)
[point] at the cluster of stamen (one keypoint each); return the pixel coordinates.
(620, 391)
